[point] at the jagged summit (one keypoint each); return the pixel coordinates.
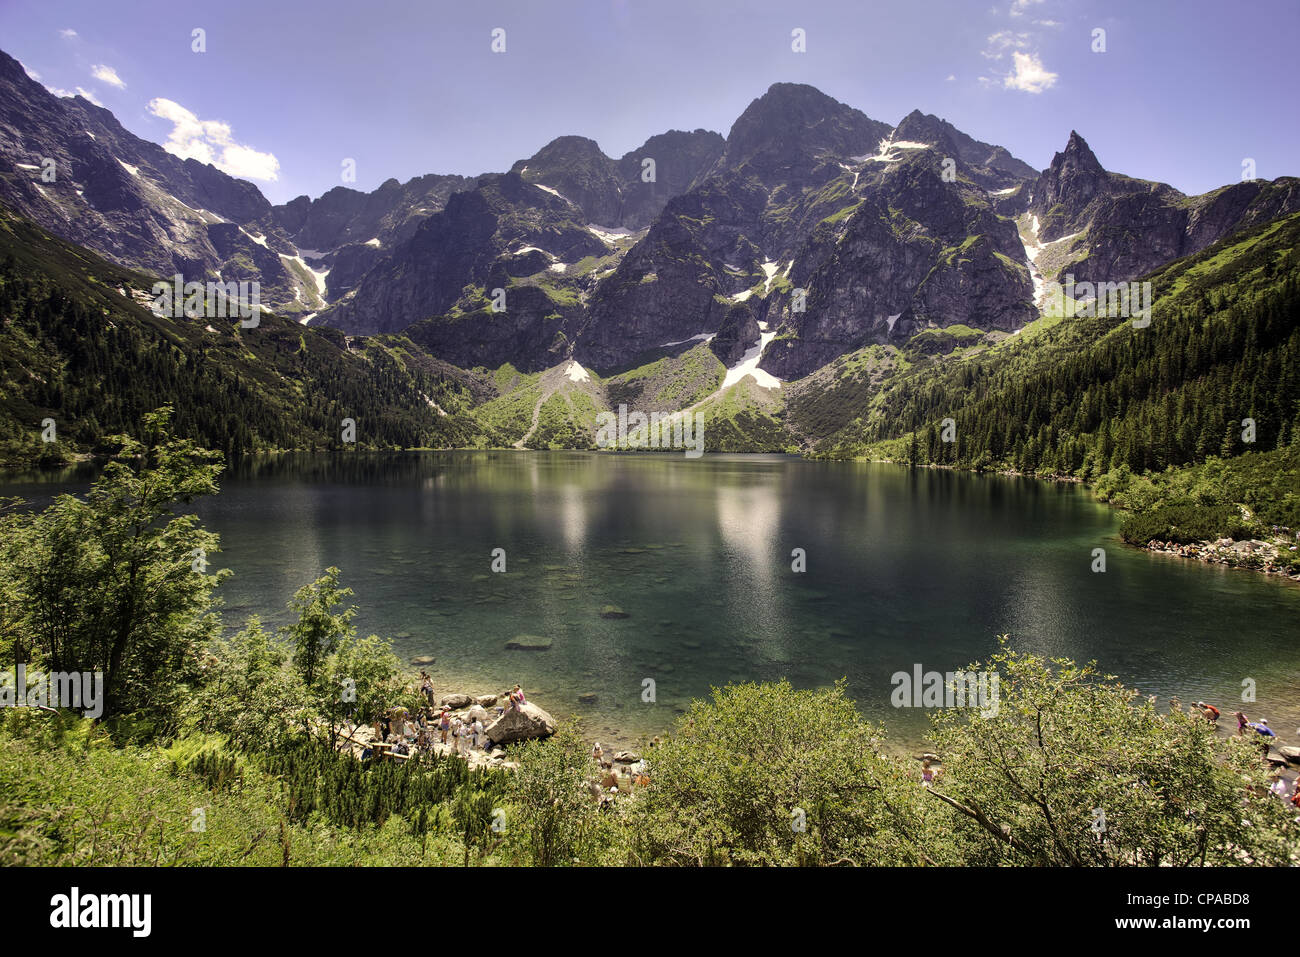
(1078, 155)
(794, 120)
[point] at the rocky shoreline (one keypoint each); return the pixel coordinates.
(502, 726)
(1251, 554)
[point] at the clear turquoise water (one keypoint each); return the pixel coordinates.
(903, 568)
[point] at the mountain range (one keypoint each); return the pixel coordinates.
(740, 274)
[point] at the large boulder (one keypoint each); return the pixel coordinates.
(528, 722)
(456, 701)
(486, 700)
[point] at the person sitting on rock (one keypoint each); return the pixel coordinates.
(596, 752)
(517, 698)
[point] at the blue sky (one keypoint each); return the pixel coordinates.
(287, 89)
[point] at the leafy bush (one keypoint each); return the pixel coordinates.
(1185, 524)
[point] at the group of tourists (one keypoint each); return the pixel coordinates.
(404, 732)
(1280, 785)
(607, 783)
(1211, 714)
(401, 732)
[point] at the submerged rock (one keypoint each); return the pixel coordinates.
(528, 643)
(613, 611)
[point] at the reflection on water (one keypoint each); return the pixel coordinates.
(903, 568)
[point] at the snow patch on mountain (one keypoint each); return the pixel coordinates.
(706, 336)
(557, 193)
(610, 234)
(748, 364)
(885, 153)
(318, 276)
(577, 373)
(1032, 250)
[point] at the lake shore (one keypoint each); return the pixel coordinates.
(1253, 555)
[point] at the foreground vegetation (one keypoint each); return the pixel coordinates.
(220, 750)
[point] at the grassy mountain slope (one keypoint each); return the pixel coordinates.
(79, 345)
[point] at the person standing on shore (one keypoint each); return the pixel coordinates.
(596, 753)
(444, 724)
(477, 729)
(426, 687)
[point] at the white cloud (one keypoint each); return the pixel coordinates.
(212, 141)
(60, 91)
(997, 45)
(951, 77)
(88, 94)
(68, 34)
(1018, 7)
(1029, 75)
(106, 74)
(29, 71)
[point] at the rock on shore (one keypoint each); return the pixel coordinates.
(1252, 553)
(528, 722)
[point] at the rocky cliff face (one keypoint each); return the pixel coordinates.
(917, 252)
(1126, 227)
(345, 216)
(122, 196)
(628, 192)
(845, 209)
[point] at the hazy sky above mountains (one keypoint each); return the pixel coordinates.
(287, 90)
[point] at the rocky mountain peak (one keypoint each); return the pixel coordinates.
(1078, 155)
(793, 122)
(1072, 181)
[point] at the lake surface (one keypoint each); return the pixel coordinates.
(904, 568)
